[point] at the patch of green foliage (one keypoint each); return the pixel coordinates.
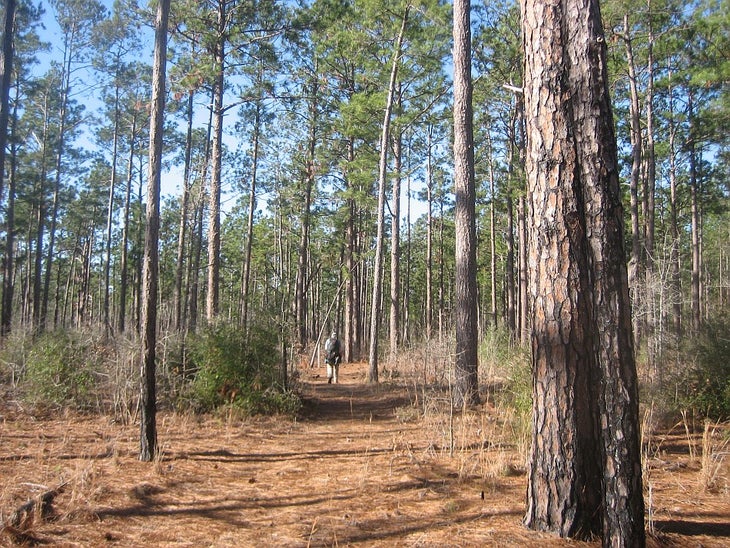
(59, 370)
(704, 385)
(509, 362)
(239, 369)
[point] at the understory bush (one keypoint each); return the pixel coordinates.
(507, 368)
(238, 369)
(703, 387)
(60, 370)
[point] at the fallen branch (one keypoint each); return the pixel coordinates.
(39, 506)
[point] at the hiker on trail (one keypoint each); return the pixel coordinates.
(332, 357)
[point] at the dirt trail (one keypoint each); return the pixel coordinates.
(347, 472)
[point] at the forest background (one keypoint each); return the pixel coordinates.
(269, 220)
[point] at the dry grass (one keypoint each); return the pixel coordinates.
(384, 465)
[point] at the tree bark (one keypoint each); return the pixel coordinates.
(466, 391)
(585, 465)
(148, 402)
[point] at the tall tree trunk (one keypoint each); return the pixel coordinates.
(395, 249)
(522, 271)
(509, 275)
(214, 208)
(466, 390)
(60, 151)
(247, 252)
(375, 305)
(351, 311)
(197, 257)
(442, 273)
(429, 234)
(509, 281)
(140, 248)
(585, 465)
(191, 320)
(40, 217)
(5, 80)
(674, 258)
(6, 319)
(635, 259)
(493, 240)
(124, 261)
(300, 300)
(696, 289)
(40, 213)
(650, 284)
(406, 298)
(148, 403)
(184, 207)
(110, 213)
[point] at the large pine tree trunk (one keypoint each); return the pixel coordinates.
(148, 403)
(585, 466)
(466, 387)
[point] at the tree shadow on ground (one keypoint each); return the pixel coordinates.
(351, 401)
(693, 528)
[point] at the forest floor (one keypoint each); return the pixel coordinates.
(361, 465)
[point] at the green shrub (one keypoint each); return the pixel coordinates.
(508, 363)
(238, 369)
(59, 370)
(704, 386)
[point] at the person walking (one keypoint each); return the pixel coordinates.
(332, 357)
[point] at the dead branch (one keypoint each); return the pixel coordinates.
(38, 507)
